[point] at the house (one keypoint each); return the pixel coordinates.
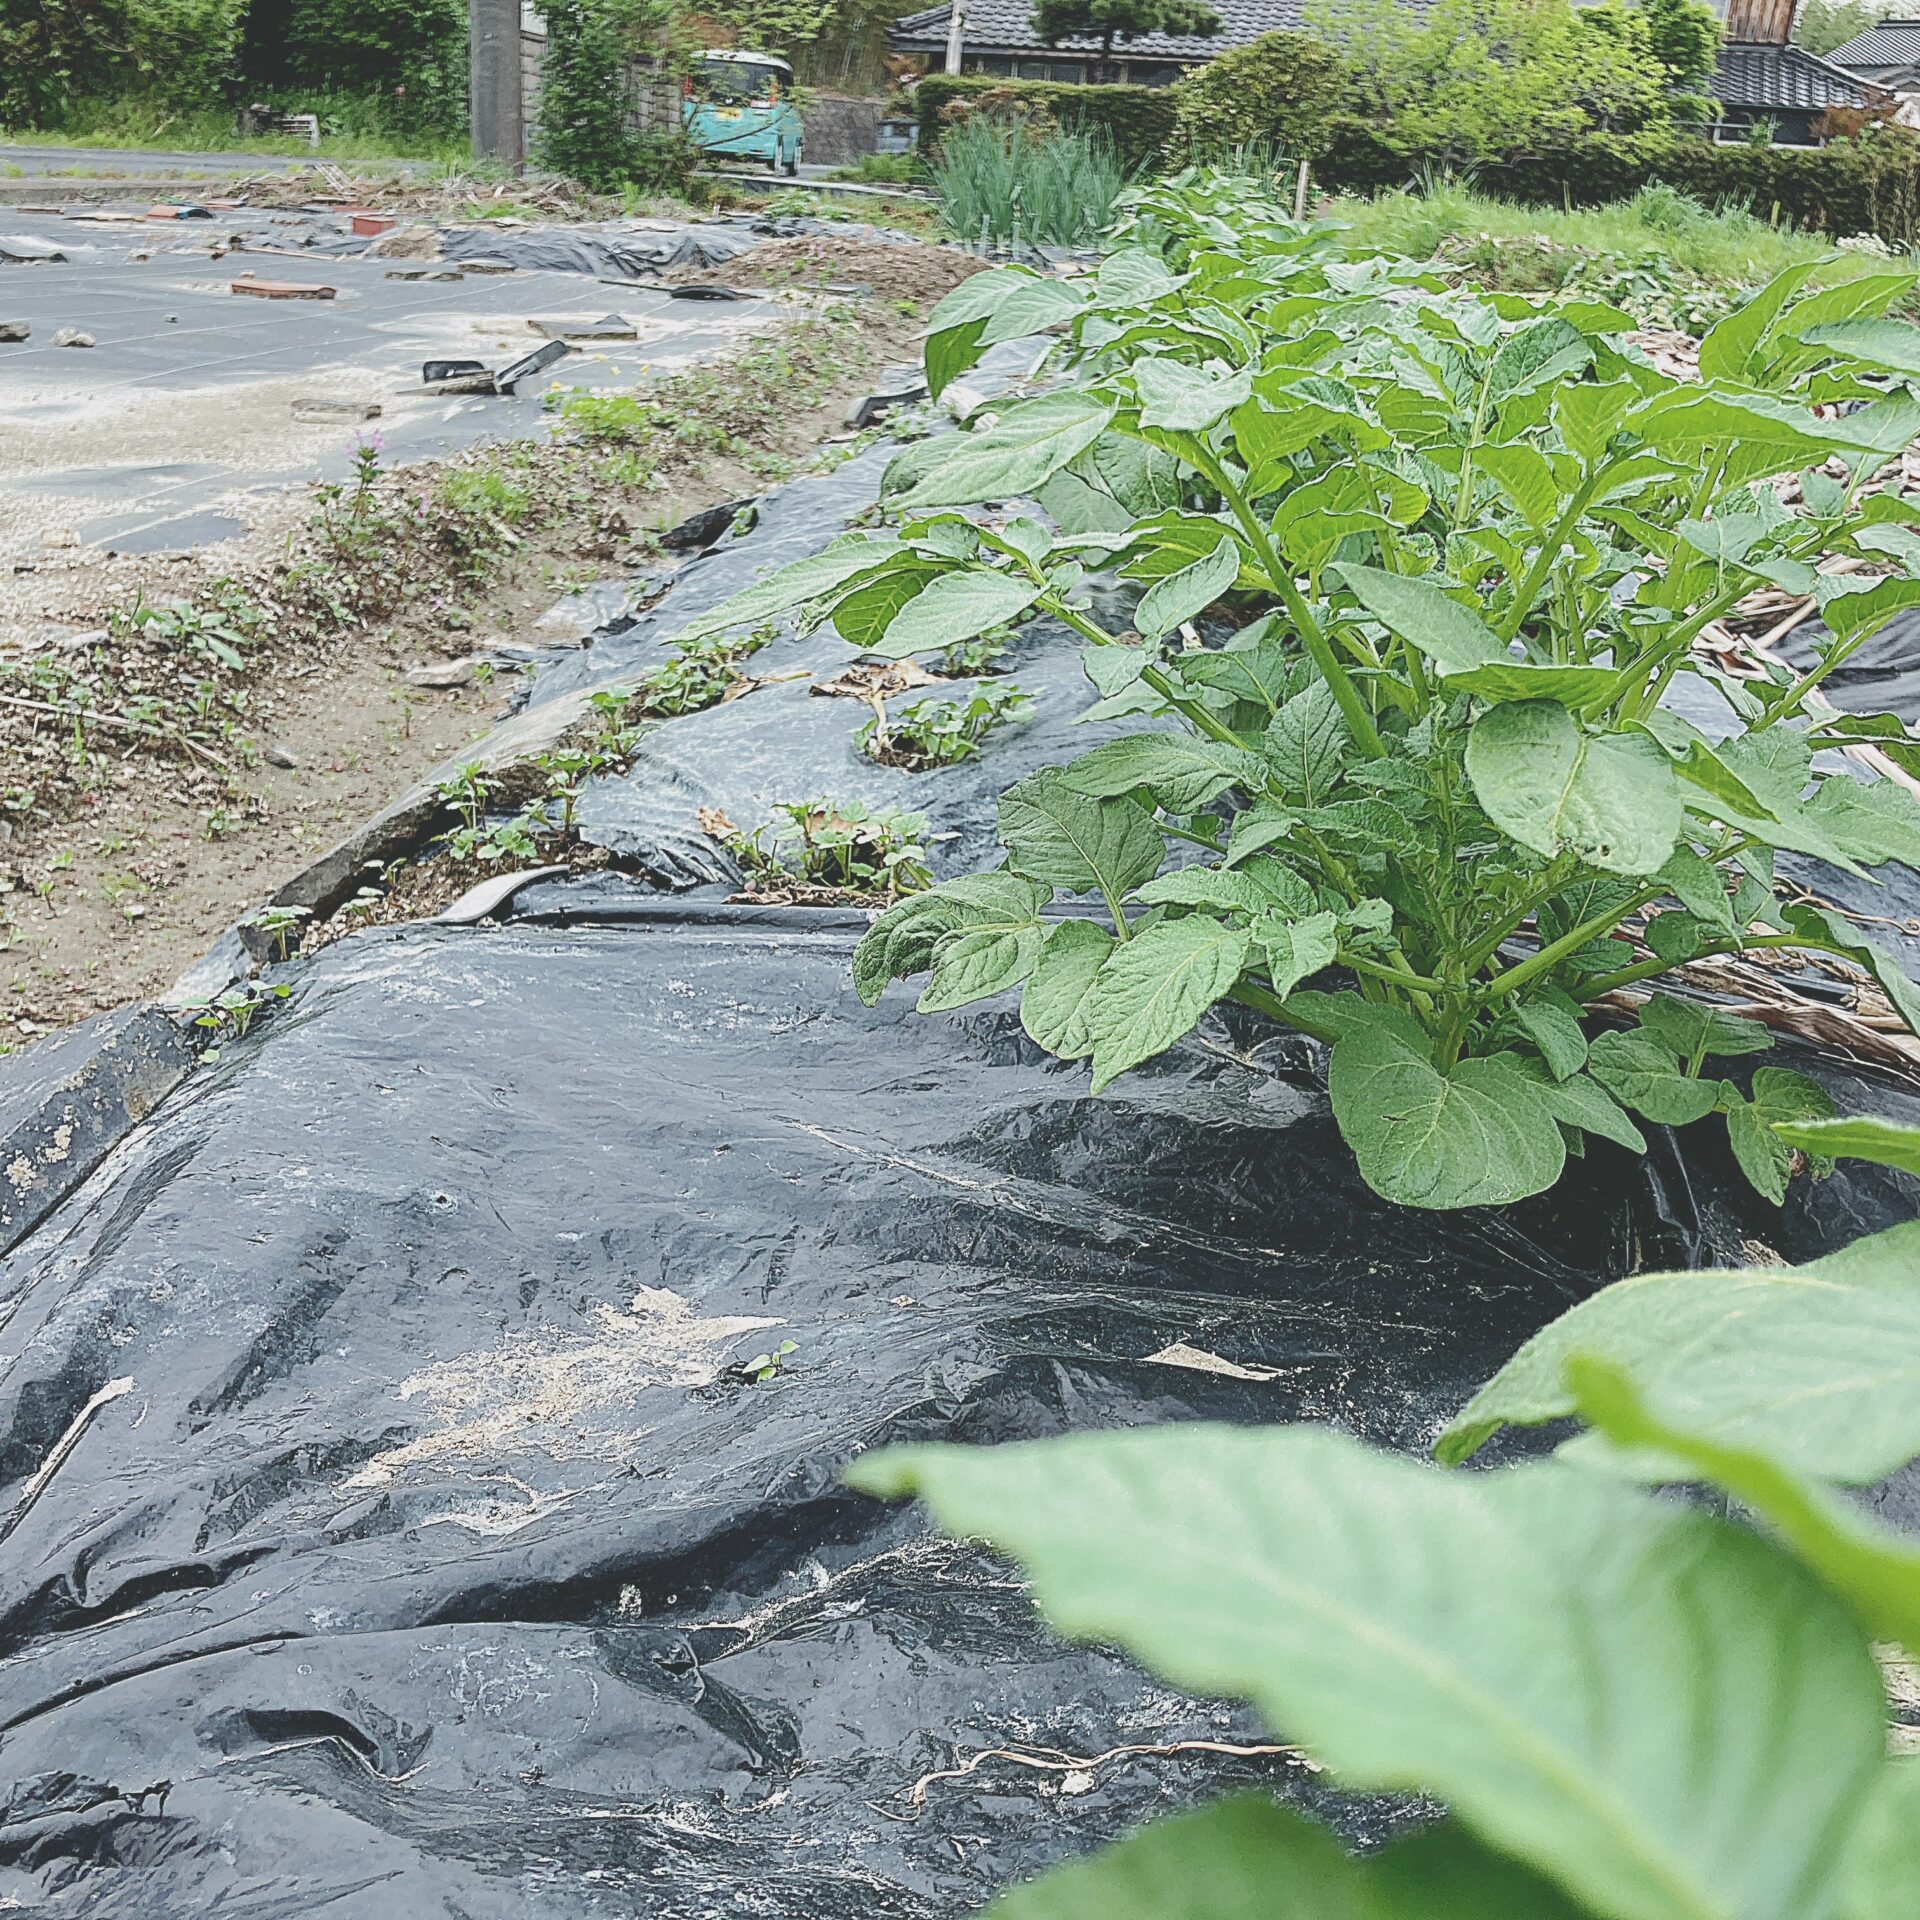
(997, 37)
(1885, 56)
(1763, 81)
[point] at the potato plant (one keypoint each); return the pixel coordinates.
(1448, 767)
(1631, 1708)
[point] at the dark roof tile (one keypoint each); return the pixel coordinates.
(1893, 43)
(1006, 26)
(1765, 77)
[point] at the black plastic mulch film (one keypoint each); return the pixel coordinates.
(395, 1524)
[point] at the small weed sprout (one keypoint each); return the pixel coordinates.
(842, 845)
(472, 490)
(228, 1015)
(465, 790)
(280, 925)
(968, 658)
(940, 733)
(514, 839)
(350, 514)
(767, 1366)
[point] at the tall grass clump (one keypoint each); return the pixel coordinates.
(1003, 180)
(1726, 244)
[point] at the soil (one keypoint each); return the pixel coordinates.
(890, 270)
(162, 851)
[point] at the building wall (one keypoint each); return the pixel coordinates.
(1067, 69)
(1766, 23)
(839, 128)
(533, 57)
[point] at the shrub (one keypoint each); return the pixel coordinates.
(601, 54)
(1138, 120)
(49, 51)
(1866, 185)
(411, 53)
(1466, 79)
(1280, 90)
(171, 52)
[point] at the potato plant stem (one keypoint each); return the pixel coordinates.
(1502, 985)
(1353, 708)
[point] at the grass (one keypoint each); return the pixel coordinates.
(1727, 247)
(884, 170)
(123, 124)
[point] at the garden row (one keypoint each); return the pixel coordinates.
(1432, 756)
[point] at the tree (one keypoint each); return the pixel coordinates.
(1471, 80)
(1281, 89)
(1822, 25)
(1111, 20)
(598, 53)
(1686, 36)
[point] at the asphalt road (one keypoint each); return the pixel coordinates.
(126, 163)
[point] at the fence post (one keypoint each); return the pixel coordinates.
(493, 76)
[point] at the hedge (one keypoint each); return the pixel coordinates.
(1138, 120)
(1868, 185)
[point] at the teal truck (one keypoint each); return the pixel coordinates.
(739, 106)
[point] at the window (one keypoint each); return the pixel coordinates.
(1153, 73)
(988, 63)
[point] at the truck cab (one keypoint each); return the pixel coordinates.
(739, 106)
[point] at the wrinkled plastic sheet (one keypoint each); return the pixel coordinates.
(416, 1543)
(621, 252)
(394, 1519)
(1882, 675)
(783, 741)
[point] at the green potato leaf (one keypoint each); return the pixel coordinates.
(1154, 987)
(1062, 837)
(1479, 1134)
(1549, 784)
(956, 607)
(904, 940)
(1029, 443)
(1819, 1366)
(1881, 1141)
(1295, 949)
(1642, 1073)
(1521, 1645)
(1057, 1006)
(1778, 1095)
(1180, 771)
(1875, 1570)
(1247, 1859)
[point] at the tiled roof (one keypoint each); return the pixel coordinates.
(1893, 43)
(1785, 77)
(1002, 26)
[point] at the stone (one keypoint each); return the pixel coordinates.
(72, 337)
(444, 673)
